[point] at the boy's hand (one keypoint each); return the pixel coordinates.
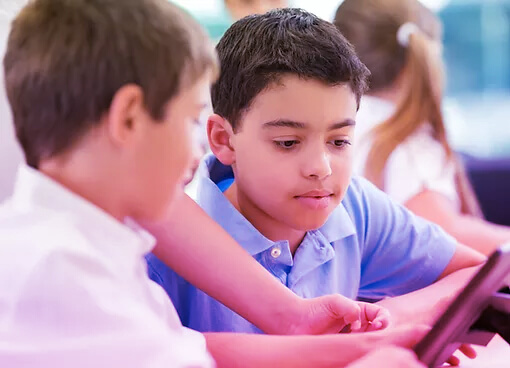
(409, 335)
(389, 348)
(335, 313)
(465, 349)
(373, 317)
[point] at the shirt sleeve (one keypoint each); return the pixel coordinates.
(72, 312)
(400, 252)
(174, 285)
(418, 164)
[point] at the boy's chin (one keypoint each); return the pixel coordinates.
(310, 223)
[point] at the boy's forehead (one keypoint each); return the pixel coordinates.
(291, 98)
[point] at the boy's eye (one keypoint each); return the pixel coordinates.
(286, 144)
(339, 143)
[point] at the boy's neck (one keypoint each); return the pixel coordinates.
(81, 176)
(265, 224)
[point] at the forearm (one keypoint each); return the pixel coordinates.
(479, 234)
(424, 306)
(197, 248)
(475, 232)
(244, 350)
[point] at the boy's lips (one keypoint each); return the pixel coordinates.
(315, 199)
(317, 193)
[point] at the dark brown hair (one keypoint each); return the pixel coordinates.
(258, 50)
(66, 59)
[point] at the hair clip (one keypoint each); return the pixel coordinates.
(404, 33)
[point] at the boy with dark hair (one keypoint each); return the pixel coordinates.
(104, 94)
(285, 104)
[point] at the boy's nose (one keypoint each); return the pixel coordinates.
(317, 166)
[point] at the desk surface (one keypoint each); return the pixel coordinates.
(495, 355)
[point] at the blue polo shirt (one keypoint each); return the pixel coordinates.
(369, 248)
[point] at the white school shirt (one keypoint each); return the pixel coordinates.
(417, 164)
(74, 290)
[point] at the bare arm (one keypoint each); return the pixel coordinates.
(427, 304)
(389, 357)
(464, 257)
(245, 350)
(197, 248)
(476, 233)
(424, 306)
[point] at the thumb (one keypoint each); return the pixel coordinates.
(346, 309)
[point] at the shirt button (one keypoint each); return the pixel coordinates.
(276, 252)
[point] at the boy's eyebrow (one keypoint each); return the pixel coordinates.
(282, 123)
(342, 124)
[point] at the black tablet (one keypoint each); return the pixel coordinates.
(471, 317)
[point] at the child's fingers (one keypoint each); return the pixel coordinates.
(465, 349)
(468, 351)
(375, 326)
(453, 360)
(354, 324)
(348, 310)
(378, 316)
(383, 319)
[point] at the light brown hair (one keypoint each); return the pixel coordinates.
(372, 26)
(66, 59)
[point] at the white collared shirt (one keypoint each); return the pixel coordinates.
(418, 163)
(74, 290)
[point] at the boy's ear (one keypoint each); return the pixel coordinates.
(219, 133)
(126, 111)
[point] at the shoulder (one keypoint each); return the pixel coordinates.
(422, 146)
(417, 163)
(43, 248)
(420, 154)
(364, 203)
(360, 194)
(373, 211)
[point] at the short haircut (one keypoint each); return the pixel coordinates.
(66, 59)
(258, 50)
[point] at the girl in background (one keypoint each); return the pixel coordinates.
(402, 143)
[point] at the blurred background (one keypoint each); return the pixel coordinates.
(477, 103)
(477, 56)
